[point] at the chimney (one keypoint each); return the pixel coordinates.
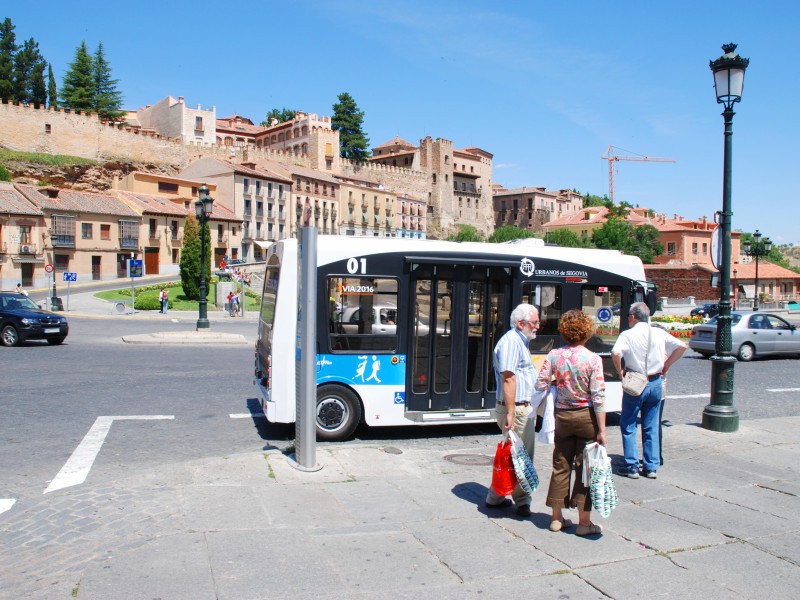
(180, 99)
(705, 220)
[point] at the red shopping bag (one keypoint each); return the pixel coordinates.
(503, 476)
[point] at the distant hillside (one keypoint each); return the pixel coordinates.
(792, 254)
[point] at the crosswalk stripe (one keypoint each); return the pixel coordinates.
(6, 504)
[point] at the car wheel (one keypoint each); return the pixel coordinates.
(338, 412)
(705, 354)
(55, 341)
(10, 336)
(746, 352)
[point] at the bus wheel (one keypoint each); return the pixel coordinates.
(338, 412)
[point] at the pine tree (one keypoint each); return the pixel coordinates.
(108, 98)
(78, 89)
(8, 48)
(52, 93)
(38, 86)
(347, 119)
(25, 61)
(286, 114)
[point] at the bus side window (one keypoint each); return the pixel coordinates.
(363, 314)
(547, 298)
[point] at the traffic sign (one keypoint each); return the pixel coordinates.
(48, 268)
(135, 268)
(70, 276)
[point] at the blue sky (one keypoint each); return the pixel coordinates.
(544, 86)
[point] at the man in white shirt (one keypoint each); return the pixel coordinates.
(663, 351)
(516, 375)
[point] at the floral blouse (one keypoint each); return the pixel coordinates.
(578, 374)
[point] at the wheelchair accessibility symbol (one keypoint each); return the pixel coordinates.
(399, 397)
(604, 315)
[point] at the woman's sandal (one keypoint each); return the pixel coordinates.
(557, 525)
(590, 529)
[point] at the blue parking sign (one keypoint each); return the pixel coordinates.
(70, 277)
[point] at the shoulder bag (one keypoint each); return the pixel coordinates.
(633, 383)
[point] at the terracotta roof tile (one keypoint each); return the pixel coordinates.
(397, 141)
(80, 202)
(14, 203)
(155, 205)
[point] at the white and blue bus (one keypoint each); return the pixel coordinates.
(406, 328)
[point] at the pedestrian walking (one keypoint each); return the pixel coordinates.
(516, 374)
(164, 297)
(579, 415)
(650, 352)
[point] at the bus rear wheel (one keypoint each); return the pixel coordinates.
(338, 413)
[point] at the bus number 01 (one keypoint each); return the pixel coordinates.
(352, 265)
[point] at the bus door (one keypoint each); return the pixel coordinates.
(458, 314)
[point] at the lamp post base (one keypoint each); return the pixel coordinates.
(202, 324)
(720, 415)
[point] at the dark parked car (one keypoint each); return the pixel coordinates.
(752, 333)
(707, 311)
(21, 319)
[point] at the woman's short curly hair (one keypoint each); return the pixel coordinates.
(576, 327)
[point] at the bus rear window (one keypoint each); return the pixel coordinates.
(270, 294)
(362, 314)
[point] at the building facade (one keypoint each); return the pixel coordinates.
(367, 209)
(22, 233)
(172, 118)
(411, 217)
(259, 197)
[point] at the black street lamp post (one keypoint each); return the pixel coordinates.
(203, 208)
(757, 249)
(720, 414)
(735, 287)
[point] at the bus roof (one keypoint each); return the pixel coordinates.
(332, 248)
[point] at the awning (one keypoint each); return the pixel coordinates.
(749, 290)
(264, 244)
(27, 260)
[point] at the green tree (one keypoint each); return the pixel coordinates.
(26, 60)
(190, 257)
(568, 239)
(347, 120)
(108, 98)
(52, 93)
(509, 232)
(590, 200)
(282, 115)
(4, 174)
(78, 88)
(8, 48)
(774, 256)
(621, 210)
(38, 86)
(641, 241)
(466, 233)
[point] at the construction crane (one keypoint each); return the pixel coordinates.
(612, 157)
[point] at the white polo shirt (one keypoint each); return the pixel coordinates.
(632, 346)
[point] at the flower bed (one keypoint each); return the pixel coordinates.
(679, 327)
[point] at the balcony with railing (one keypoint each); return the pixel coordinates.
(222, 239)
(154, 235)
(24, 248)
(128, 242)
(62, 241)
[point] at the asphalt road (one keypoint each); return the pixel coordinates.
(52, 396)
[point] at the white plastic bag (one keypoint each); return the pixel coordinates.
(597, 471)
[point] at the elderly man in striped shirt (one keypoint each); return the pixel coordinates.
(516, 376)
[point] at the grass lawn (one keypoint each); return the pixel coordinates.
(177, 300)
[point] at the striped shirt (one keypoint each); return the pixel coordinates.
(511, 354)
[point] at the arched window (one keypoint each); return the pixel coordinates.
(305, 149)
(305, 130)
(280, 137)
(296, 149)
(288, 134)
(446, 159)
(274, 138)
(434, 178)
(296, 132)
(228, 141)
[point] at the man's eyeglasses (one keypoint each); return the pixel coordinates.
(531, 322)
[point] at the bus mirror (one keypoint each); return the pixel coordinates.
(652, 300)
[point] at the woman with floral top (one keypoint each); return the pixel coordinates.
(580, 417)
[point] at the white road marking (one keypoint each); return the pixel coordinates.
(783, 389)
(680, 396)
(6, 504)
(247, 416)
(77, 467)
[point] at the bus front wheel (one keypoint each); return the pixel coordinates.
(338, 412)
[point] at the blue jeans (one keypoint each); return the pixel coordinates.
(648, 403)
